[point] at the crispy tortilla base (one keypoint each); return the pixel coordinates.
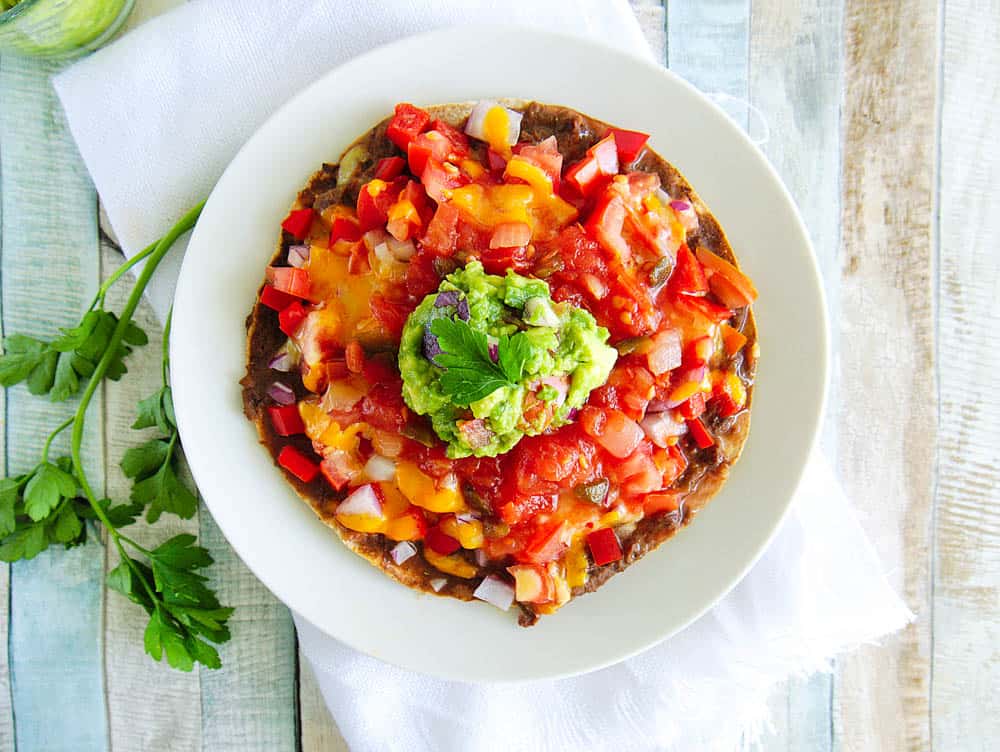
(575, 132)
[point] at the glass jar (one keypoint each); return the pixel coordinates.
(60, 28)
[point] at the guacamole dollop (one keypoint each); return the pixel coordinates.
(562, 355)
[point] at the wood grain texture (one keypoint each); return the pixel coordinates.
(318, 731)
(795, 81)
(249, 704)
(966, 626)
(169, 716)
(6, 700)
(50, 270)
(888, 419)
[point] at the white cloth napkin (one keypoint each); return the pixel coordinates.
(157, 117)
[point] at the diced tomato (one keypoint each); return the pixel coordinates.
(285, 419)
(705, 308)
(340, 468)
(291, 317)
(629, 144)
(407, 123)
(546, 545)
(697, 352)
(544, 154)
(524, 507)
(687, 277)
(615, 431)
(358, 261)
(441, 543)
(289, 279)
(694, 407)
(725, 405)
(344, 229)
(671, 462)
(354, 356)
(738, 290)
(665, 501)
(590, 172)
(510, 235)
(389, 314)
(459, 141)
(640, 473)
(298, 464)
(426, 146)
(532, 584)
(421, 276)
(383, 407)
(440, 177)
(442, 231)
(700, 434)
(499, 260)
(604, 546)
(605, 224)
(298, 222)
(275, 299)
(389, 168)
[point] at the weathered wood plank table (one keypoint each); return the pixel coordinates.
(883, 120)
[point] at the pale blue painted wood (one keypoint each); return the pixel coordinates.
(249, 705)
(795, 81)
(49, 270)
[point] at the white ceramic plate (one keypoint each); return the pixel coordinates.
(301, 560)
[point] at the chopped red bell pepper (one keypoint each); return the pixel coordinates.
(286, 420)
(737, 290)
(298, 464)
(406, 124)
(374, 200)
(700, 434)
(605, 224)
(290, 318)
(694, 406)
(590, 172)
(298, 222)
(440, 542)
(687, 277)
(289, 279)
(604, 546)
(442, 232)
(344, 229)
(629, 144)
(276, 299)
(459, 141)
(389, 168)
(499, 260)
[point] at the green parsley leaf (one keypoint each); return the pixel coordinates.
(66, 382)
(26, 543)
(470, 372)
(124, 579)
(68, 527)
(47, 487)
(22, 355)
(156, 410)
(153, 466)
(144, 460)
(180, 553)
(10, 491)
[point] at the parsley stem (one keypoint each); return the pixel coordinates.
(165, 358)
(159, 251)
(59, 429)
(117, 274)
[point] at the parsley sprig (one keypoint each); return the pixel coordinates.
(54, 503)
(471, 373)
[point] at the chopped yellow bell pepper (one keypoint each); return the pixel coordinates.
(576, 565)
(469, 533)
(362, 523)
(394, 504)
(421, 490)
(453, 564)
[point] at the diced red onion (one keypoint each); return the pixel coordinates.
(450, 481)
(363, 502)
(680, 205)
(380, 468)
(432, 348)
(659, 427)
(437, 583)
(383, 254)
(402, 250)
(281, 393)
(446, 298)
(657, 406)
(462, 309)
(374, 237)
(664, 353)
(403, 552)
(494, 347)
(481, 558)
(282, 361)
(573, 413)
(560, 384)
(298, 255)
(475, 126)
(496, 592)
(466, 517)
